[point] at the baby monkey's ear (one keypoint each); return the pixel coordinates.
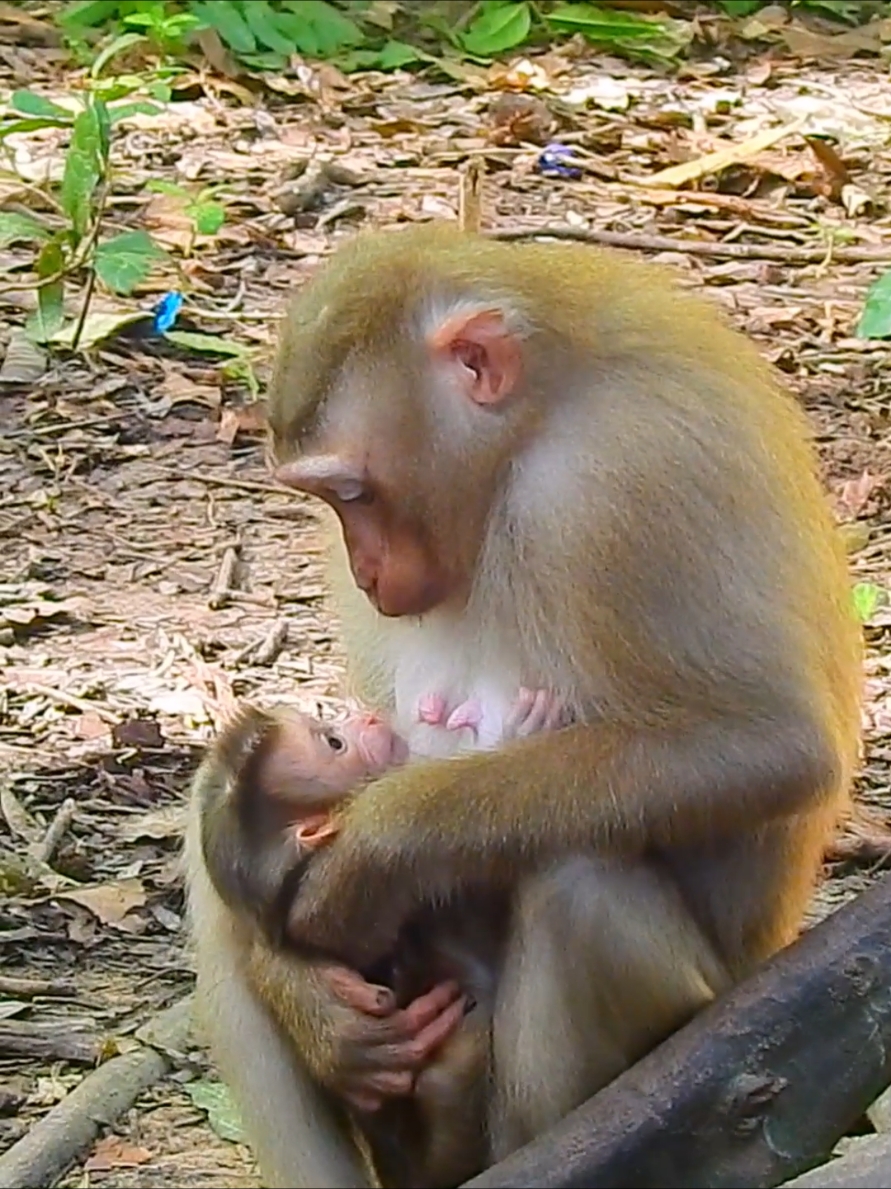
(313, 832)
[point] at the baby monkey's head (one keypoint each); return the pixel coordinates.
(311, 762)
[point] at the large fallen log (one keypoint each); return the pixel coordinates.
(757, 1088)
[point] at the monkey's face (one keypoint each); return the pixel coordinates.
(409, 457)
(321, 759)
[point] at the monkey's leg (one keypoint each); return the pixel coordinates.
(296, 1135)
(603, 962)
(452, 1095)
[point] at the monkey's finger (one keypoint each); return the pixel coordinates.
(368, 1103)
(518, 713)
(421, 1011)
(430, 1038)
(386, 1084)
(538, 713)
(352, 989)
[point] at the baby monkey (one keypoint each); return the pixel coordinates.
(271, 783)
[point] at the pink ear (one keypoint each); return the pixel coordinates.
(487, 351)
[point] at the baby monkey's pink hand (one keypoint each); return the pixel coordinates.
(534, 710)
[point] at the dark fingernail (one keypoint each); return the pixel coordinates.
(469, 1005)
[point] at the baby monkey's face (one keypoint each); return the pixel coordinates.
(336, 756)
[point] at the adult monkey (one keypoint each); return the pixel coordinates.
(552, 469)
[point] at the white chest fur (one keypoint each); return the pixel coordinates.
(445, 657)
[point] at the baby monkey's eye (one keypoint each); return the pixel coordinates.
(335, 742)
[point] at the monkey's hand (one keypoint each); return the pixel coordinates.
(371, 1050)
(534, 710)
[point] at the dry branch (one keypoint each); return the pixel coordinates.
(27, 988)
(757, 1088)
(639, 242)
(54, 1143)
(48, 1042)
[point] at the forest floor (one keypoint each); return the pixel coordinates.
(127, 475)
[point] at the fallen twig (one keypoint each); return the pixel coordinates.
(72, 701)
(224, 584)
(223, 481)
(28, 988)
(698, 247)
(730, 1099)
(54, 1143)
(44, 850)
(48, 1042)
(266, 650)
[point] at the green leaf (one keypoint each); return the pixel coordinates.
(140, 107)
(97, 326)
(740, 8)
(208, 216)
(226, 17)
(209, 344)
(215, 1099)
(640, 36)
(124, 261)
(50, 313)
(88, 13)
(601, 24)
(391, 56)
(118, 46)
(30, 104)
(867, 599)
(13, 126)
(875, 321)
(160, 91)
(83, 169)
(320, 30)
(17, 227)
(500, 26)
(162, 186)
(394, 54)
(263, 24)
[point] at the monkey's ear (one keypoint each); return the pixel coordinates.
(315, 831)
(484, 351)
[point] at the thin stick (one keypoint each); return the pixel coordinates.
(224, 585)
(58, 827)
(470, 195)
(73, 701)
(697, 247)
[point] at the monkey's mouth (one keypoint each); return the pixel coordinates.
(382, 748)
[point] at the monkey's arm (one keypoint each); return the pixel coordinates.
(421, 833)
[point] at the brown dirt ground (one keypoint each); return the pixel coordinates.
(124, 481)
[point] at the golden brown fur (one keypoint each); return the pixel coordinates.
(634, 522)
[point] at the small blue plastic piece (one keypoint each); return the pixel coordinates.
(556, 161)
(166, 311)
